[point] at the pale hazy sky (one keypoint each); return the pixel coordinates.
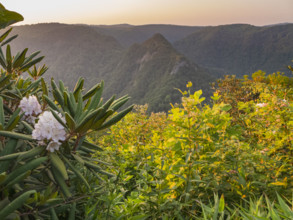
(183, 12)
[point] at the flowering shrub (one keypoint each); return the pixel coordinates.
(45, 156)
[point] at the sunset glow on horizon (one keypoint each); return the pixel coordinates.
(185, 12)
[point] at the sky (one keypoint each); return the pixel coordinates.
(138, 12)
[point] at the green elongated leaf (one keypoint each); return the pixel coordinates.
(91, 146)
(101, 118)
(91, 92)
(57, 94)
(15, 204)
(27, 126)
(9, 148)
(4, 80)
(72, 104)
(51, 103)
(44, 87)
(26, 167)
(8, 59)
(222, 204)
(285, 207)
(59, 165)
(9, 40)
(92, 165)
(71, 215)
(78, 158)
(226, 107)
(216, 212)
(3, 36)
(53, 214)
(28, 59)
(79, 107)
(12, 124)
(119, 102)
(8, 17)
(61, 182)
(31, 63)
(15, 57)
(61, 86)
(88, 120)
(31, 153)
(78, 87)
(109, 102)
(96, 98)
(86, 150)
(18, 60)
(77, 173)
(19, 178)
(13, 121)
(11, 156)
(2, 59)
(70, 121)
(2, 117)
(32, 86)
(15, 135)
(116, 118)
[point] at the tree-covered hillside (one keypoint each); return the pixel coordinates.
(149, 72)
(70, 51)
(152, 71)
(240, 49)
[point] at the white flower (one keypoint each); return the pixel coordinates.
(261, 104)
(52, 146)
(30, 106)
(49, 129)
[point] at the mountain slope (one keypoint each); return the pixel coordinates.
(150, 73)
(70, 51)
(240, 49)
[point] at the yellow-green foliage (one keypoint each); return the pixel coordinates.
(241, 148)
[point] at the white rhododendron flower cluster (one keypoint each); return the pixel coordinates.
(30, 107)
(49, 129)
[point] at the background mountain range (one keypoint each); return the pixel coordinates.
(148, 62)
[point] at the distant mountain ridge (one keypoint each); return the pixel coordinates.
(149, 61)
(240, 48)
(129, 34)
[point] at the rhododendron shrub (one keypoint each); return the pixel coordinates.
(45, 155)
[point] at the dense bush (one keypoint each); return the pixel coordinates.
(238, 148)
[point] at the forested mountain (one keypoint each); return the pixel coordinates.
(240, 49)
(150, 72)
(70, 51)
(136, 60)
